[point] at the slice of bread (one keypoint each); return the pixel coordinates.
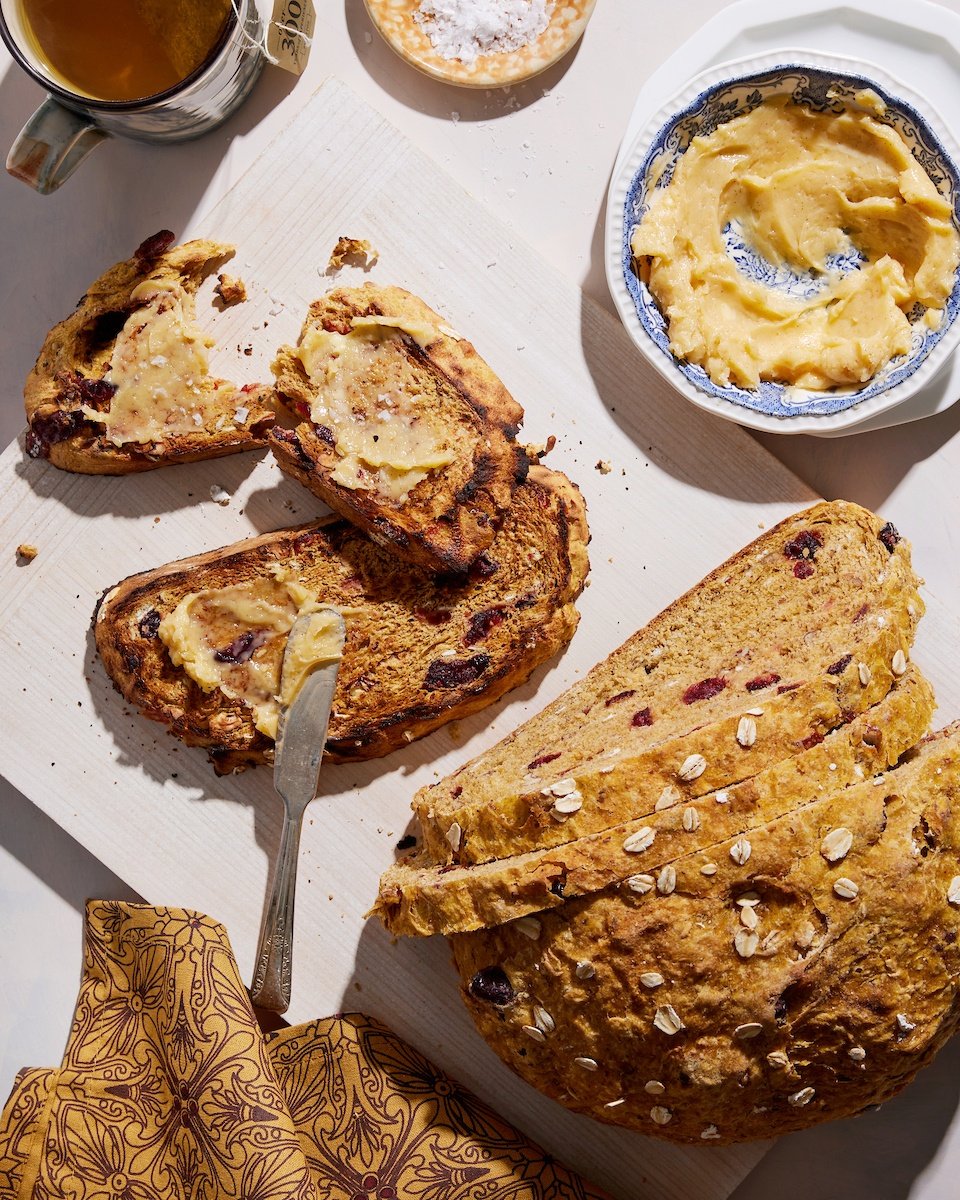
(121, 385)
(421, 650)
(809, 977)
(419, 898)
(798, 632)
(404, 429)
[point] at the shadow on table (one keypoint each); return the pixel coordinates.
(879, 1155)
(433, 97)
(52, 855)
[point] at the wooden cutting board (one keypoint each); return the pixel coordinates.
(683, 491)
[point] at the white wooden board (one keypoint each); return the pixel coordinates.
(684, 492)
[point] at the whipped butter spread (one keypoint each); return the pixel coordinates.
(158, 366)
(233, 638)
(801, 190)
(370, 399)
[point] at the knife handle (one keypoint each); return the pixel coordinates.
(271, 979)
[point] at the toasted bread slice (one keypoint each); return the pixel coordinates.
(674, 1013)
(122, 384)
(421, 650)
(418, 898)
(803, 629)
(404, 429)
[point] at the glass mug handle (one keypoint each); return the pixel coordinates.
(52, 144)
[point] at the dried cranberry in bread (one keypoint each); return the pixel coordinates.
(404, 429)
(804, 628)
(419, 898)
(421, 650)
(122, 384)
(808, 978)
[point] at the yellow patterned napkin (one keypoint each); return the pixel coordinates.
(170, 1091)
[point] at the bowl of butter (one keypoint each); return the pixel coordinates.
(783, 242)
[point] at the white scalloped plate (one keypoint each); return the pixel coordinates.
(912, 40)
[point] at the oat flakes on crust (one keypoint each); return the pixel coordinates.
(76, 355)
(449, 517)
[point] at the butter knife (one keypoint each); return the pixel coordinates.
(306, 695)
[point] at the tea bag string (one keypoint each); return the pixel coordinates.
(260, 44)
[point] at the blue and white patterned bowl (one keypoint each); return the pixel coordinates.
(820, 82)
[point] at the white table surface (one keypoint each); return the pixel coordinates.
(539, 156)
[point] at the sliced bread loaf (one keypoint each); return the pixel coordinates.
(123, 384)
(809, 977)
(419, 898)
(804, 628)
(420, 651)
(404, 429)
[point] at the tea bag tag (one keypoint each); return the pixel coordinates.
(289, 34)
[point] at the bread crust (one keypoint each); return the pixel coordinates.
(419, 898)
(449, 518)
(76, 352)
(862, 612)
(401, 622)
(830, 1004)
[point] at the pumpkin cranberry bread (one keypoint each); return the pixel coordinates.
(404, 429)
(803, 629)
(810, 975)
(419, 898)
(123, 383)
(421, 649)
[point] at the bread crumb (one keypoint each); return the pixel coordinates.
(356, 251)
(537, 450)
(603, 466)
(27, 551)
(219, 495)
(230, 290)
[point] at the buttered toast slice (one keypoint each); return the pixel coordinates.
(798, 632)
(811, 975)
(420, 899)
(404, 429)
(420, 650)
(123, 384)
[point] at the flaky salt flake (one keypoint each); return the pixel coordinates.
(240, 414)
(904, 1024)
(660, 1115)
(454, 836)
(857, 1053)
(709, 1133)
(722, 797)
(953, 891)
(667, 798)
(466, 29)
(651, 979)
(614, 1103)
(584, 970)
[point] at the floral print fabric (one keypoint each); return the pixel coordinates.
(170, 1091)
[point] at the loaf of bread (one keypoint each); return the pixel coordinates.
(122, 384)
(419, 898)
(403, 428)
(798, 632)
(801, 970)
(421, 649)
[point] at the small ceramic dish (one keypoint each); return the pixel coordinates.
(823, 83)
(395, 21)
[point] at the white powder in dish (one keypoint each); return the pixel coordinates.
(465, 29)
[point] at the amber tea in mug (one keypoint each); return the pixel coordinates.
(123, 50)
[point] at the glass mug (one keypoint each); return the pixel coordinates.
(71, 121)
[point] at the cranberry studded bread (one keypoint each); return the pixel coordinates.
(795, 635)
(198, 644)
(419, 898)
(404, 429)
(123, 384)
(803, 970)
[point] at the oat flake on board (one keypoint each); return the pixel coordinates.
(466, 29)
